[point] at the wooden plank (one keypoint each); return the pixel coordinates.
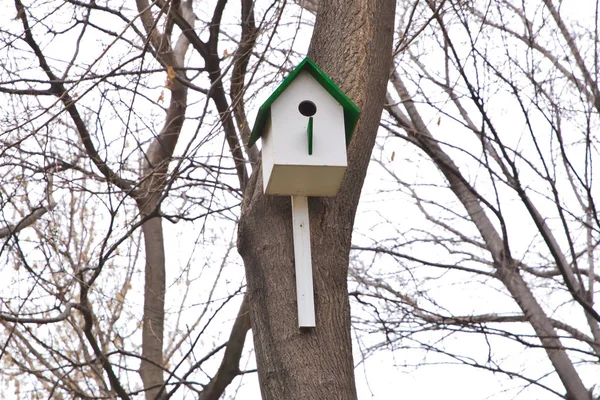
(303, 261)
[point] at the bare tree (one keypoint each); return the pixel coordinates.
(502, 98)
(98, 99)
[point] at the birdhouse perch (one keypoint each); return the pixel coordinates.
(305, 126)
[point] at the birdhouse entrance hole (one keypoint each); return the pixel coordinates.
(307, 108)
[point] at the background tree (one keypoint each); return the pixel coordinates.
(502, 98)
(95, 124)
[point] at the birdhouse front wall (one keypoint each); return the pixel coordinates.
(291, 165)
(289, 126)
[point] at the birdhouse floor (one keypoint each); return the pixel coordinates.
(316, 181)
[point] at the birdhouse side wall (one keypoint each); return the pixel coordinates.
(267, 154)
(289, 127)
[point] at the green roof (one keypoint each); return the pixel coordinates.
(351, 111)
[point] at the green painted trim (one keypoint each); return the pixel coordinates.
(310, 135)
(351, 110)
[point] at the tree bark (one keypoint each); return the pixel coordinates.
(352, 44)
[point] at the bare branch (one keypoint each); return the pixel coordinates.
(29, 220)
(241, 58)
(66, 313)
(230, 365)
(57, 87)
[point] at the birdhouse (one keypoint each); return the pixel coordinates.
(305, 126)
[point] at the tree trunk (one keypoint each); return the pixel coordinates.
(155, 173)
(503, 260)
(151, 365)
(352, 44)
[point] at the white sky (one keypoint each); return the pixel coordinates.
(384, 375)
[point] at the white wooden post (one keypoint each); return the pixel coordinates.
(303, 261)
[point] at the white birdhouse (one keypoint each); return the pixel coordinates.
(305, 126)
